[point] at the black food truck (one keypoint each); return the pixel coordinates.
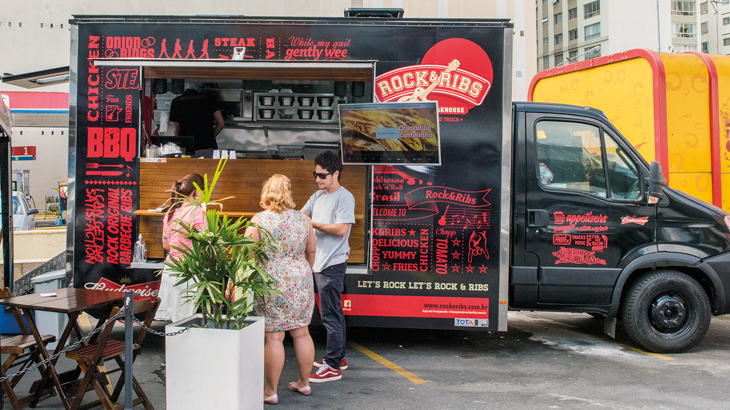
(488, 206)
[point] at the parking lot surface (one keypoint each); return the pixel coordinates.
(544, 361)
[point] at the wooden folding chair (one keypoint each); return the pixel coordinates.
(93, 355)
(22, 351)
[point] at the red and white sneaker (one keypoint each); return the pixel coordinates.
(325, 374)
(343, 363)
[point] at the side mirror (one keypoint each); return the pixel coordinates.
(656, 183)
(32, 211)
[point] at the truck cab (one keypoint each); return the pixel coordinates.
(595, 229)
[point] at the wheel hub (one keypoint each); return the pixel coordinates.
(669, 313)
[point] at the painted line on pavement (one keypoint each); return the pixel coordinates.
(637, 350)
(387, 363)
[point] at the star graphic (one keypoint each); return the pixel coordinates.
(412, 232)
(456, 242)
(483, 269)
(386, 266)
(455, 268)
(456, 254)
(469, 269)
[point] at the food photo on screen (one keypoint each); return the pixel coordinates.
(390, 133)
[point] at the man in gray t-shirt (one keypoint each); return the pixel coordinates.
(332, 210)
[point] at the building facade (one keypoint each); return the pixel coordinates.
(576, 30)
(715, 26)
(38, 34)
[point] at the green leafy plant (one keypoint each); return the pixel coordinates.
(224, 267)
(205, 194)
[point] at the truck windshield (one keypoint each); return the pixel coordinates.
(622, 172)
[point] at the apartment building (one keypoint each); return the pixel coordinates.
(35, 33)
(715, 26)
(576, 30)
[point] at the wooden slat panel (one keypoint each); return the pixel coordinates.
(150, 227)
(243, 179)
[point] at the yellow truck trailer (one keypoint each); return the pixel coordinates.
(673, 107)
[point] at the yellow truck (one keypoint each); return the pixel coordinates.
(673, 107)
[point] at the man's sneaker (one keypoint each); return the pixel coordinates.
(343, 363)
(325, 374)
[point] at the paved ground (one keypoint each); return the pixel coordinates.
(545, 361)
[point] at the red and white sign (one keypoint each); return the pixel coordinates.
(25, 153)
(414, 306)
(631, 220)
(456, 73)
(147, 290)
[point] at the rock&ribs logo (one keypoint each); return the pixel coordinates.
(456, 73)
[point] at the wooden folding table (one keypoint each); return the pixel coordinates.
(69, 301)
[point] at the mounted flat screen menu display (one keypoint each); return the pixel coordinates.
(390, 133)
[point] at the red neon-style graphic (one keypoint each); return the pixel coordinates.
(465, 218)
(561, 239)
(122, 79)
(577, 256)
(586, 218)
(596, 242)
(478, 245)
(471, 199)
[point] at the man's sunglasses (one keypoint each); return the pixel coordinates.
(322, 175)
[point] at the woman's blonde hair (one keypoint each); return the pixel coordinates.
(276, 194)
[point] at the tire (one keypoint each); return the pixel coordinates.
(666, 312)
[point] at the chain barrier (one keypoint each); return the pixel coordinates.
(157, 333)
(81, 342)
(86, 338)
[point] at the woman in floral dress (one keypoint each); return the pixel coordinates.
(290, 263)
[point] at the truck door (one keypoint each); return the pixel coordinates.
(584, 208)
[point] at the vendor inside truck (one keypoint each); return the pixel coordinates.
(193, 114)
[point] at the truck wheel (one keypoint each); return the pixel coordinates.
(666, 312)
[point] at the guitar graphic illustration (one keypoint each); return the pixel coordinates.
(442, 220)
(421, 94)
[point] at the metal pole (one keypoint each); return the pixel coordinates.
(713, 3)
(128, 300)
(658, 26)
(717, 27)
(6, 203)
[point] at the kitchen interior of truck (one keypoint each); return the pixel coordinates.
(278, 117)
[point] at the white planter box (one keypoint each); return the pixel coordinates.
(215, 368)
